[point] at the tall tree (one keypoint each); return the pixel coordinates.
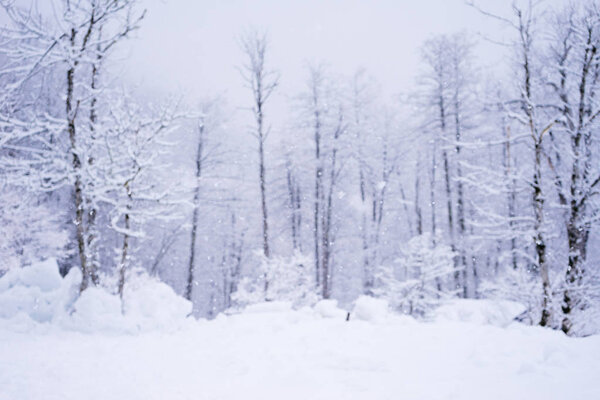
(200, 150)
(87, 34)
(530, 112)
(262, 82)
(573, 160)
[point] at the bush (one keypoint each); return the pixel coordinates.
(426, 269)
(280, 279)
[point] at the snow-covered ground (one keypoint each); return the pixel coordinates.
(270, 351)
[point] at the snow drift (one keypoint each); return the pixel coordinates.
(37, 294)
(482, 311)
(271, 351)
(38, 291)
(147, 347)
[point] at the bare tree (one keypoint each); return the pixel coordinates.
(133, 143)
(575, 82)
(77, 47)
(196, 209)
(375, 164)
(532, 115)
(436, 54)
(327, 214)
(316, 83)
(262, 82)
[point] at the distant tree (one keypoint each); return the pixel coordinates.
(421, 266)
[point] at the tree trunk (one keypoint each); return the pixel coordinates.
(326, 219)
(71, 110)
(263, 199)
(125, 248)
(418, 213)
(318, 183)
(432, 197)
(294, 206)
(92, 230)
(195, 216)
(580, 188)
(460, 203)
(540, 244)
(512, 195)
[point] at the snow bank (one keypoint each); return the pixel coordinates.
(95, 310)
(481, 312)
(271, 351)
(329, 309)
(155, 306)
(43, 275)
(370, 309)
(37, 291)
(38, 294)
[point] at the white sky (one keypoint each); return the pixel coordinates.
(190, 46)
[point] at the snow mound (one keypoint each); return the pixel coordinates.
(43, 275)
(368, 308)
(38, 294)
(481, 312)
(37, 291)
(329, 309)
(155, 306)
(95, 310)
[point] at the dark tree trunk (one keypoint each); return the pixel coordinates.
(125, 248)
(195, 216)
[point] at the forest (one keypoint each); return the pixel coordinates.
(477, 183)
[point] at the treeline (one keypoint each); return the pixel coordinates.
(474, 184)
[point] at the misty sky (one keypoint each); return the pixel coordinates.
(191, 46)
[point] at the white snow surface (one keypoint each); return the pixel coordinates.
(329, 309)
(370, 309)
(481, 311)
(150, 350)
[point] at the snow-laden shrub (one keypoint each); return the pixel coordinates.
(479, 311)
(585, 294)
(29, 230)
(426, 269)
(518, 285)
(280, 279)
(586, 322)
(525, 287)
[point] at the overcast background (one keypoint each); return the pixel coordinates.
(190, 47)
